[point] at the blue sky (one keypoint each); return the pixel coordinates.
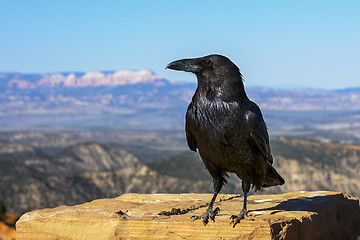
(282, 44)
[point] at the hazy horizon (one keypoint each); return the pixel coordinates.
(191, 80)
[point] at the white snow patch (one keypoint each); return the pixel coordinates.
(257, 212)
(263, 200)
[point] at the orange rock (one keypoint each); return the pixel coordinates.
(298, 215)
(6, 232)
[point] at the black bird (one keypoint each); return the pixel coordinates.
(227, 129)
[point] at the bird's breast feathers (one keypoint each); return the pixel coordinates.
(215, 120)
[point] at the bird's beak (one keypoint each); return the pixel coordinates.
(187, 65)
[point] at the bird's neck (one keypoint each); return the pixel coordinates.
(233, 92)
(228, 91)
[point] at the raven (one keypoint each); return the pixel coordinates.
(227, 129)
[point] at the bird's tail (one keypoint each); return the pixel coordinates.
(273, 178)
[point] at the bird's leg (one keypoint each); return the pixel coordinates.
(235, 219)
(210, 213)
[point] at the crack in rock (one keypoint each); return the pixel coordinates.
(178, 211)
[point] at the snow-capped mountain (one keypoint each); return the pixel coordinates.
(89, 79)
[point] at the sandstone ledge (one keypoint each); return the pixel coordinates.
(297, 215)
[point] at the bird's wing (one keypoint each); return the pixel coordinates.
(191, 141)
(258, 130)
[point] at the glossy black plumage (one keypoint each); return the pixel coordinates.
(227, 128)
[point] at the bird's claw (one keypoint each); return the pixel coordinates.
(209, 214)
(235, 219)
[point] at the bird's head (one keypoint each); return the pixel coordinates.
(214, 71)
(207, 66)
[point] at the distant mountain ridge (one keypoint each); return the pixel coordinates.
(88, 79)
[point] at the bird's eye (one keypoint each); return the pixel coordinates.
(208, 62)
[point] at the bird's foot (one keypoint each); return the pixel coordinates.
(235, 219)
(209, 214)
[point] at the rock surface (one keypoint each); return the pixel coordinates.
(297, 215)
